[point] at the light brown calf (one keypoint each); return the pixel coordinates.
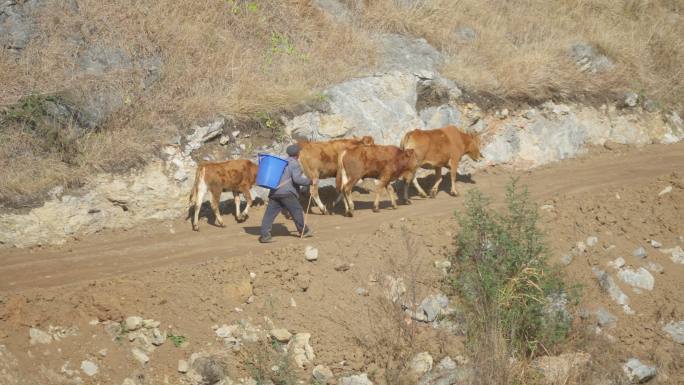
(319, 161)
(237, 176)
(384, 163)
(442, 147)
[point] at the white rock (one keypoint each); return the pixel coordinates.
(293, 303)
(183, 366)
(302, 351)
(102, 352)
(655, 267)
(38, 336)
(608, 284)
(637, 371)
(322, 374)
(666, 190)
(421, 363)
(89, 368)
(359, 379)
(224, 139)
(442, 265)
(150, 324)
(140, 356)
(675, 330)
(133, 323)
(129, 381)
(311, 253)
(655, 244)
(618, 263)
(592, 241)
(639, 253)
(361, 291)
(225, 331)
(281, 335)
(676, 254)
(640, 278)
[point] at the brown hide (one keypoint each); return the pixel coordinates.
(442, 147)
(384, 163)
(237, 176)
(319, 160)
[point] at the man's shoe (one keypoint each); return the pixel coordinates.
(307, 233)
(267, 239)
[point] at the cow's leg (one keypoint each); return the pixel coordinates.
(420, 190)
(438, 181)
(248, 196)
(199, 199)
(453, 164)
(379, 186)
(390, 192)
(348, 201)
(406, 194)
(215, 200)
(236, 199)
(316, 197)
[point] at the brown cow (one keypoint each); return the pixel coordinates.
(319, 161)
(442, 147)
(385, 163)
(237, 176)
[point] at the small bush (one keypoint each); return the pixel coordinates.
(268, 363)
(513, 300)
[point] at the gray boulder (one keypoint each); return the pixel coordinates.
(638, 372)
(406, 54)
(17, 24)
(675, 330)
(605, 318)
(589, 59)
(639, 278)
(433, 306)
(210, 370)
(614, 291)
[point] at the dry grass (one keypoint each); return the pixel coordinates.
(521, 50)
(245, 58)
(233, 58)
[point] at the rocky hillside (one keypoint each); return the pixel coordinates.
(91, 87)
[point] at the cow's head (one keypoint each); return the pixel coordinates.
(473, 147)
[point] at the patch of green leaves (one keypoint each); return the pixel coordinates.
(177, 340)
(502, 276)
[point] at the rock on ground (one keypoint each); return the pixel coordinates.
(38, 336)
(183, 366)
(322, 374)
(302, 351)
(311, 253)
(605, 318)
(434, 305)
(675, 330)
(636, 371)
(281, 335)
(609, 285)
(358, 379)
(210, 370)
(89, 368)
(421, 363)
(140, 356)
(639, 278)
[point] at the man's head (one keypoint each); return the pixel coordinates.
(292, 150)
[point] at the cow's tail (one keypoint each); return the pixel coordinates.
(341, 177)
(199, 177)
(406, 141)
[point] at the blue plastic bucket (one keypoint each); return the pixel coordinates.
(271, 169)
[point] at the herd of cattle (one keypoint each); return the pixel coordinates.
(348, 161)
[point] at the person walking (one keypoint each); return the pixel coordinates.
(286, 196)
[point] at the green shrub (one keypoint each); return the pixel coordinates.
(502, 277)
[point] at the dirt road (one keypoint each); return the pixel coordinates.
(164, 243)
